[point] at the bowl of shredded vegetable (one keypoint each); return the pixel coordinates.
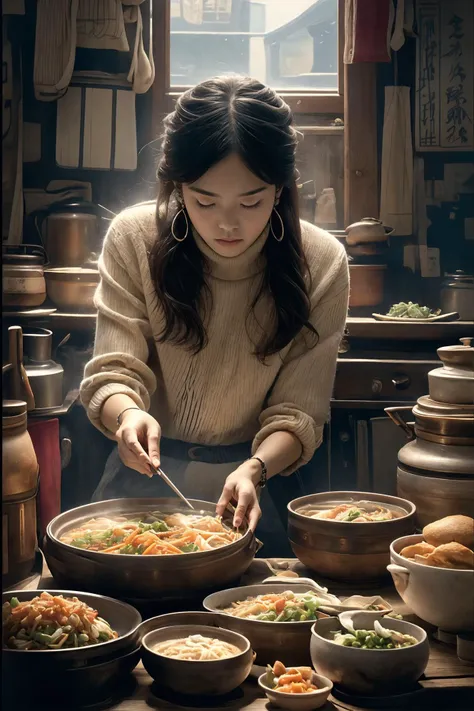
(83, 641)
(144, 549)
(275, 617)
(71, 627)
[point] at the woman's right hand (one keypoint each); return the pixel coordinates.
(138, 440)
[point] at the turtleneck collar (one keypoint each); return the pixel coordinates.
(245, 265)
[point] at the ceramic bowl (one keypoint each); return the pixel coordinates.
(369, 671)
(441, 596)
(299, 702)
(195, 678)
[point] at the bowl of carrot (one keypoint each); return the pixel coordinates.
(295, 688)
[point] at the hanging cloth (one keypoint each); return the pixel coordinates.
(396, 198)
(61, 25)
(55, 47)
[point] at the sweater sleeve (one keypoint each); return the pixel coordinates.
(299, 401)
(123, 333)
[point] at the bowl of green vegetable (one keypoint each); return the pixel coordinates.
(275, 617)
(365, 655)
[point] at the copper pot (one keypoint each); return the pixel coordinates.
(72, 287)
(367, 281)
(344, 551)
(19, 491)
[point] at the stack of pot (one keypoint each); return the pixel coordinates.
(436, 468)
(366, 243)
(70, 234)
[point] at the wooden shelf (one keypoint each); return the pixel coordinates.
(394, 330)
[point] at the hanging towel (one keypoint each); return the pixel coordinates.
(96, 124)
(396, 199)
(55, 47)
(367, 30)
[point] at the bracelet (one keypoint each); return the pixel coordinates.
(119, 416)
(263, 479)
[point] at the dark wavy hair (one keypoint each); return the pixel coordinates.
(214, 119)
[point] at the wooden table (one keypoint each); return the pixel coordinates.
(447, 685)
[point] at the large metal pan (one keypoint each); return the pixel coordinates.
(145, 577)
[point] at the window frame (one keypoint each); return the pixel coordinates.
(164, 97)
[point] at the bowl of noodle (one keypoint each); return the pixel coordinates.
(197, 660)
(146, 549)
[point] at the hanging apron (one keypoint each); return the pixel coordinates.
(200, 473)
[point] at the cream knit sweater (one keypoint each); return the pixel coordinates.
(222, 395)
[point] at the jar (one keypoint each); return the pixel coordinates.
(19, 491)
(436, 468)
(23, 275)
(457, 295)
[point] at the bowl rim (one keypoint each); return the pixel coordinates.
(396, 649)
(233, 634)
(408, 506)
(73, 593)
(199, 555)
(420, 538)
(269, 586)
(306, 695)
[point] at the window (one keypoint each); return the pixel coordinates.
(292, 45)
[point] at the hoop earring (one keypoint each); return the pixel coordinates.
(280, 238)
(180, 239)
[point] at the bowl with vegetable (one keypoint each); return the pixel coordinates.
(295, 688)
(197, 660)
(275, 617)
(364, 655)
(346, 535)
(67, 634)
(144, 549)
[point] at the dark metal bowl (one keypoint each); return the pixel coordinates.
(347, 551)
(66, 688)
(145, 577)
(285, 641)
(123, 618)
(206, 678)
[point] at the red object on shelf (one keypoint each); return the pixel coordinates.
(45, 437)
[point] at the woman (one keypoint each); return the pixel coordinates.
(219, 315)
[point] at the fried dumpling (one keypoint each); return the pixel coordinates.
(452, 555)
(419, 549)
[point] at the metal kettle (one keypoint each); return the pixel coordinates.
(44, 374)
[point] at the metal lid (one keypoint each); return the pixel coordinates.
(458, 355)
(12, 408)
(459, 279)
(427, 406)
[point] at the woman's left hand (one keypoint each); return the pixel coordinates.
(240, 487)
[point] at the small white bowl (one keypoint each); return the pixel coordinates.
(299, 702)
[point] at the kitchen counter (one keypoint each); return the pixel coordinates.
(357, 327)
(448, 683)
